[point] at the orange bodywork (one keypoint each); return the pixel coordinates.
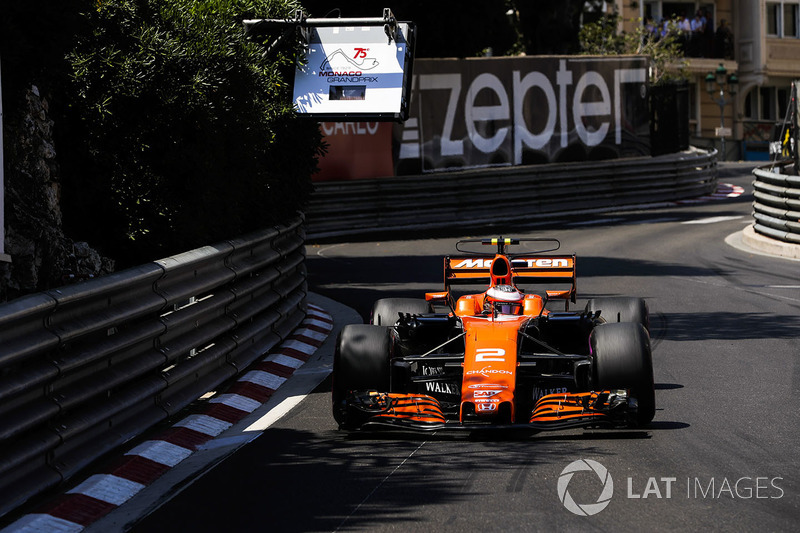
(490, 364)
(490, 354)
(472, 305)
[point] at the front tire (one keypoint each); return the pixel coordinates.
(621, 309)
(623, 360)
(361, 362)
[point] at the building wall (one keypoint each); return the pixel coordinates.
(765, 65)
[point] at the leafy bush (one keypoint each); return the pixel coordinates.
(665, 54)
(179, 133)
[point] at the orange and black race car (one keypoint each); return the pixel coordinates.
(498, 358)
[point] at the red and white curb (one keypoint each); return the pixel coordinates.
(724, 191)
(142, 465)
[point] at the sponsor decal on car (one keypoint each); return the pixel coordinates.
(432, 370)
(538, 392)
(490, 354)
(489, 371)
(442, 387)
(530, 263)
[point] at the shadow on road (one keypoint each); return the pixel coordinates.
(323, 479)
(728, 325)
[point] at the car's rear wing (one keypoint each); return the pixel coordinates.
(538, 269)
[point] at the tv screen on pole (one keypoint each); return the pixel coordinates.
(355, 73)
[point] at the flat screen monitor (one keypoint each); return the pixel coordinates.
(355, 73)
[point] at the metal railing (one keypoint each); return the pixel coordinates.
(776, 208)
(87, 367)
(509, 194)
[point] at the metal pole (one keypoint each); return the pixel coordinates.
(3, 256)
(722, 119)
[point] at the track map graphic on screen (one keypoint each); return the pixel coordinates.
(353, 71)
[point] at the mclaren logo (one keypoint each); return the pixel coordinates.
(529, 263)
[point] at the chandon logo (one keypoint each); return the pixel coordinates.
(488, 370)
(587, 509)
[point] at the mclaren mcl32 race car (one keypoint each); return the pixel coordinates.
(501, 357)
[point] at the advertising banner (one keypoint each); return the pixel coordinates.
(472, 113)
(503, 111)
(356, 150)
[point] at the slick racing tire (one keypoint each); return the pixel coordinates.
(361, 362)
(623, 360)
(386, 311)
(621, 309)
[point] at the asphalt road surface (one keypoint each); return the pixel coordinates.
(722, 452)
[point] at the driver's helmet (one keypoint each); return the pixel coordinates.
(503, 299)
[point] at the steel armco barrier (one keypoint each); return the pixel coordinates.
(87, 367)
(777, 202)
(505, 195)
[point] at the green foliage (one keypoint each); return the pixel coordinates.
(181, 134)
(665, 53)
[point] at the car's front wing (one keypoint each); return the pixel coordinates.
(380, 410)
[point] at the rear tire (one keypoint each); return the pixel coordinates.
(386, 311)
(623, 360)
(361, 362)
(621, 309)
